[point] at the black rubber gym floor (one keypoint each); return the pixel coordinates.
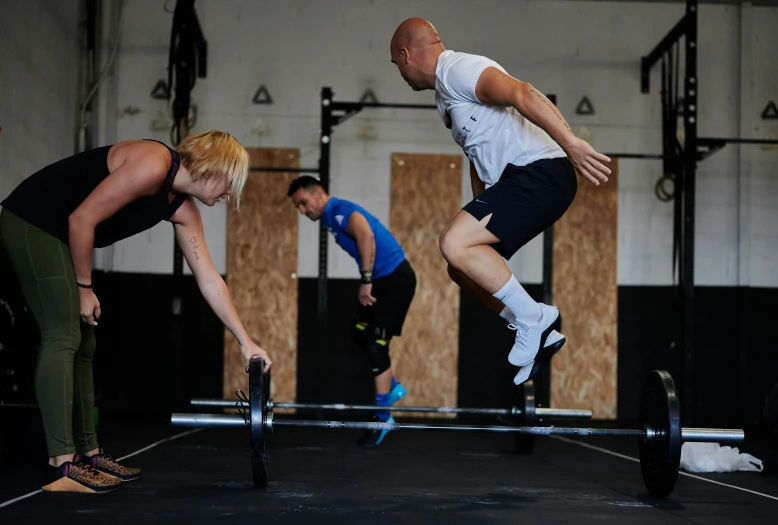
(320, 476)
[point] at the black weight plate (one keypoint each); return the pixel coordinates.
(660, 457)
(525, 401)
(267, 386)
(258, 403)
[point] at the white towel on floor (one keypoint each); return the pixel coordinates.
(712, 457)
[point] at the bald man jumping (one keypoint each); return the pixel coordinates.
(523, 163)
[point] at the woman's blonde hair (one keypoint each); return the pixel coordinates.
(212, 153)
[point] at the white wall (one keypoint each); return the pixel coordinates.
(39, 78)
(758, 190)
(570, 48)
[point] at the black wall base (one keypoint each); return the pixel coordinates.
(736, 361)
(139, 373)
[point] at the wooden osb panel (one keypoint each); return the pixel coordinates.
(583, 374)
(426, 195)
(261, 273)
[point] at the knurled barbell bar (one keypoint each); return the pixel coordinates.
(570, 413)
(660, 437)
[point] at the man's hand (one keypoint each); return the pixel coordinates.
(587, 162)
(365, 295)
(251, 350)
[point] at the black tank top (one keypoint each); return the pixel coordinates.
(47, 198)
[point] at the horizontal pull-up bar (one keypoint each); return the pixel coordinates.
(356, 105)
(712, 140)
(635, 155)
(703, 141)
(285, 170)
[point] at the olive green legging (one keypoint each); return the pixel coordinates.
(63, 376)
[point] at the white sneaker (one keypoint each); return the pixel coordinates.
(528, 338)
(554, 344)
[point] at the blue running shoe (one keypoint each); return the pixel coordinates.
(396, 394)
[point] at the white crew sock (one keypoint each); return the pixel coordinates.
(515, 298)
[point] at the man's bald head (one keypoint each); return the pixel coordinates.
(415, 48)
(415, 32)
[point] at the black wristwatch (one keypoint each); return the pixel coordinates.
(367, 276)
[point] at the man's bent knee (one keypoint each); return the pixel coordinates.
(450, 246)
(378, 356)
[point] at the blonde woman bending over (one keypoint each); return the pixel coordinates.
(49, 226)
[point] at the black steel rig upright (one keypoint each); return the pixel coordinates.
(686, 182)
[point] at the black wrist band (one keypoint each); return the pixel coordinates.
(367, 276)
(85, 286)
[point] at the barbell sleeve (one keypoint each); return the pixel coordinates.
(206, 420)
(713, 435)
(566, 413)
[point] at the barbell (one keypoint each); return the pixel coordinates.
(660, 436)
(570, 413)
(524, 413)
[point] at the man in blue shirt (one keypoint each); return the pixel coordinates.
(386, 292)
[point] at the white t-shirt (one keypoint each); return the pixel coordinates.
(491, 136)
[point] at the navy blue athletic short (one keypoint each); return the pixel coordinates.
(525, 201)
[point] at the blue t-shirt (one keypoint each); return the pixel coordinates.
(388, 252)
